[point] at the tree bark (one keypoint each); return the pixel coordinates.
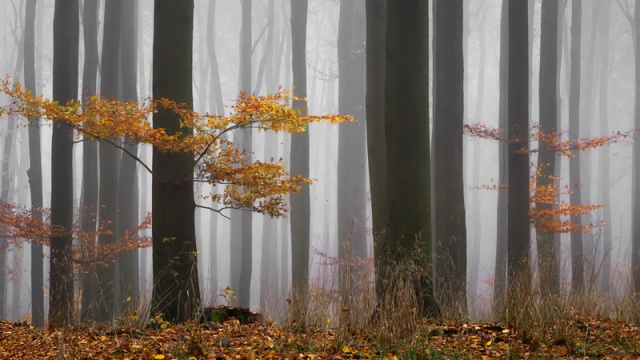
(635, 243)
(450, 228)
(65, 88)
(175, 286)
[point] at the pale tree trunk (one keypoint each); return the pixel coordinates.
(577, 254)
(500, 285)
(605, 161)
(35, 168)
(127, 264)
(351, 195)
(300, 218)
(635, 242)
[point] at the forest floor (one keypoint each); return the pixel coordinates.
(580, 338)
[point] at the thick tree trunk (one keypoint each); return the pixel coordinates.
(175, 285)
(407, 188)
(65, 87)
(450, 227)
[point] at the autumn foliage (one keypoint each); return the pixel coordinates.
(553, 218)
(259, 186)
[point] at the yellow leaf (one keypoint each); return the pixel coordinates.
(103, 338)
(129, 298)
(488, 343)
(158, 357)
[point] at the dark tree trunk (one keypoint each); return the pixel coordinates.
(407, 187)
(352, 156)
(66, 21)
(127, 264)
(300, 203)
(519, 273)
(35, 168)
(89, 192)
(175, 286)
(548, 261)
(500, 287)
(375, 48)
(577, 257)
(450, 227)
(103, 309)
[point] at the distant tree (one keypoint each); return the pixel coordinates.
(65, 87)
(577, 253)
(407, 178)
(89, 190)
(450, 222)
(500, 286)
(352, 148)
(635, 242)
(35, 168)
(300, 203)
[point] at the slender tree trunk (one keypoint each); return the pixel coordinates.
(127, 264)
(216, 91)
(300, 203)
(35, 168)
(605, 161)
(352, 157)
(89, 192)
(500, 285)
(65, 87)
(175, 285)
(548, 265)
(577, 254)
(519, 273)
(450, 228)
(635, 242)
(103, 309)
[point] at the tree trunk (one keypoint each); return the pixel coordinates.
(635, 242)
(577, 257)
(127, 264)
(352, 237)
(519, 273)
(450, 228)
(300, 203)
(500, 286)
(89, 191)
(175, 285)
(407, 187)
(605, 161)
(103, 309)
(65, 87)
(548, 264)
(35, 168)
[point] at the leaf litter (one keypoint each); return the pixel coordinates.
(580, 338)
